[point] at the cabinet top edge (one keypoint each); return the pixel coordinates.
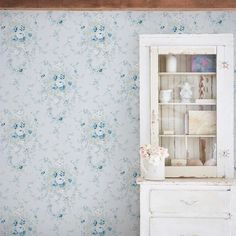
(186, 39)
(184, 35)
(188, 181)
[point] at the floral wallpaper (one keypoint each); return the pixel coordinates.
(69, 117)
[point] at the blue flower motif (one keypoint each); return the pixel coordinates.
(135, 174)
(179, 29)
(134, 85)
(19, 227)
(175, 29)
(20, 34)
(137, 19)
(59, 179)
(60, 83)
(100, 228)
(130, 82)
(20, 131)
(100, 131)
(100, 34)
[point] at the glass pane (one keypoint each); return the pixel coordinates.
(187, 109)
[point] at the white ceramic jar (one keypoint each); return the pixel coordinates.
(171, 63)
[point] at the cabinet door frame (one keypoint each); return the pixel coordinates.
(225, 111)
(154, 97)
(149, 47)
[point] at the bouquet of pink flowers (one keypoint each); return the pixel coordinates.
(153, 154)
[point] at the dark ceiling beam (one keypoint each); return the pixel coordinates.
(120, 4)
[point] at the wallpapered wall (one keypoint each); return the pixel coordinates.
(69, 117)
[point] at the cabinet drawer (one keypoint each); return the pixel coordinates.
(189, 227)
(190, 202)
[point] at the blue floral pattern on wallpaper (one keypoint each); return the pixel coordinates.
(69, 117)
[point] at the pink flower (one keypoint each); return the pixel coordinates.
(143, 152)
(147, 151)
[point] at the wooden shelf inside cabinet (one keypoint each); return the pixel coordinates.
(186, 104)
(186, 73)
(191, 171)
(187, 135)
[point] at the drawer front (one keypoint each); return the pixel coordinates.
(189, 227)
(190, 202)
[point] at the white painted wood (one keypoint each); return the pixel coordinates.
(225, 113)
(188, 135)
(199, 206)
(185, 39)
(187, 104)
(189, 227)
(190, 183)
(220, 107)
(186, 50)
(144, 205)
(191, 171)
(233, 210)
(154, 97)
(191, 203)
(185, 73)
(145, 105)
(188, 207)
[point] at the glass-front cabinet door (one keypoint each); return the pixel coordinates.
(191, 106)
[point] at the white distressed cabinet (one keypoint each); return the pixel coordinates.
(196, 125)
(188, 207)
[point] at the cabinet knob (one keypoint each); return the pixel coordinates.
(189, 203)
(224, 153)
(225, 65)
